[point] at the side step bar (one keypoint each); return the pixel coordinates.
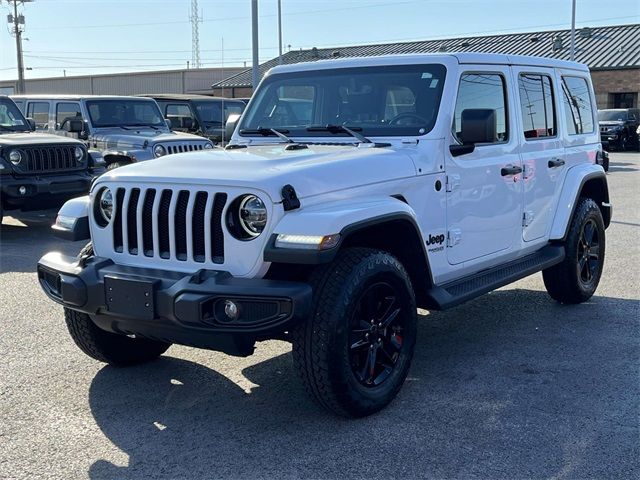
(459, 291)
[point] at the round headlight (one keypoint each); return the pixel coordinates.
(208, 146)
(105, 204)
(159, 151)
(252, 215)
(78, 153)
(15, 156)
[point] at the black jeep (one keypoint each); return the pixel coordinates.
(37, 171)
(618, 127)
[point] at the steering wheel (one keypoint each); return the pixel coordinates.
(400, 116)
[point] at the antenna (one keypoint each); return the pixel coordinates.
(196, 19)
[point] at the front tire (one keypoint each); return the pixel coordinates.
(576, 278)
(107, 347)
(354, 352)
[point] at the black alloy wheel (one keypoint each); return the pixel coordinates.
(588, 253)
(376, 334)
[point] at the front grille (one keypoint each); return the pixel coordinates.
(47, 159)
(183, 147)
(181, 225)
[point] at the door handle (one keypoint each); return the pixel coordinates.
(556, 162)
(510, 170)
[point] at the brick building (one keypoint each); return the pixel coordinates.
(612, 54)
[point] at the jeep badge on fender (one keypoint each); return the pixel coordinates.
(319, 223)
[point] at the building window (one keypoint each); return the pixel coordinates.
(578, 112)
(624, 100)
(536, 102)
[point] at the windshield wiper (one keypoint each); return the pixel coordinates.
(265, 132)
(140, 125)
(339, 129)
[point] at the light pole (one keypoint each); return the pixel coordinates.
(573, 30)
(280, 32)
(18, 20)
(254, 38)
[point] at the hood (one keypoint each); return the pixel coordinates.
(611, 123)
(316, 170)
(26, 138)
(119, 138)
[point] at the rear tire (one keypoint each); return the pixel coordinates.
(576, 278)
(112, 348)
(354, 352)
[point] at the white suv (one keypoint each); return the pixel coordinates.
(353, 191)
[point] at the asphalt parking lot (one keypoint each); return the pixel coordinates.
(511, 385)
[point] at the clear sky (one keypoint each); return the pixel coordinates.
(102, 36)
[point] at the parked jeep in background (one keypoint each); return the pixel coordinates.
(618, 128)
(198, 114)
(352, 192)
(37, 171)
(117, 130)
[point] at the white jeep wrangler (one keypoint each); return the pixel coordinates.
(353, 191)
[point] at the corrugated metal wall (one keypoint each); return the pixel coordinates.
(176, 81)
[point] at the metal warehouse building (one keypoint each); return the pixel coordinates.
(612, 54)
(166, 81)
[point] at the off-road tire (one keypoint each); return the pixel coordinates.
(321, 344)
(112, 348)
(564, 281)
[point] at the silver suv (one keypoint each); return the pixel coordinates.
(117, 130)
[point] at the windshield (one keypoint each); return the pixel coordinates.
(612, 115)
(210, 112)
(117, 113)
(376, 101)
(11, 119)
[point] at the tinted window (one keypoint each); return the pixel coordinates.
(612, 115)
(210, 112)
(486, 91)
(67, 111)
(178, 110)
(536, 105)
(113, 113)
(578, 113)
(364, 98)
(11, 119)
(39, 111)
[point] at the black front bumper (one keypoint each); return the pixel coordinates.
(175, 307)
(42, 191)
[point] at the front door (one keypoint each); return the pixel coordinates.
(543, 156)
(484, 187)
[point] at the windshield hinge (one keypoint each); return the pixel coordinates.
(290, 199)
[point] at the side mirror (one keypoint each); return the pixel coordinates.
(230, 126)
(168, 123)
(478, 125)
(32, 124)
(75, 125)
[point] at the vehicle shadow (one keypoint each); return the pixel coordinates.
(622, 167)
(24, 241)
(493, 390)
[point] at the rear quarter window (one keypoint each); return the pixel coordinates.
(578, 109)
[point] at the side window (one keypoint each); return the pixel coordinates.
(578, 113)
(536, 106)
(39, 111)
(65, 112)
(482, 90)
(178, 110)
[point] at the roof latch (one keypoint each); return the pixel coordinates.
(289, 198)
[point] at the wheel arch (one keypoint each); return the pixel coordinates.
(588, 181)
(118, 156)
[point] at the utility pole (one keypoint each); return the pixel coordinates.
(195, 34)
(254, 40)
(17, 21)
(573, 30)
(280, 32)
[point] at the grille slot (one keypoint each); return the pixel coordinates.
(169, 224)
(181, 148)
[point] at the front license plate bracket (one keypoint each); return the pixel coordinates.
(130, 297)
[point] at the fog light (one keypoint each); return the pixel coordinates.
(231, 310)
(22, 190)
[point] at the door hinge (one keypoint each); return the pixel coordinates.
(453, 181)
(454, 236)
(527, 218)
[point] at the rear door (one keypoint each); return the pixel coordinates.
(484, 187)
(543, 156)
